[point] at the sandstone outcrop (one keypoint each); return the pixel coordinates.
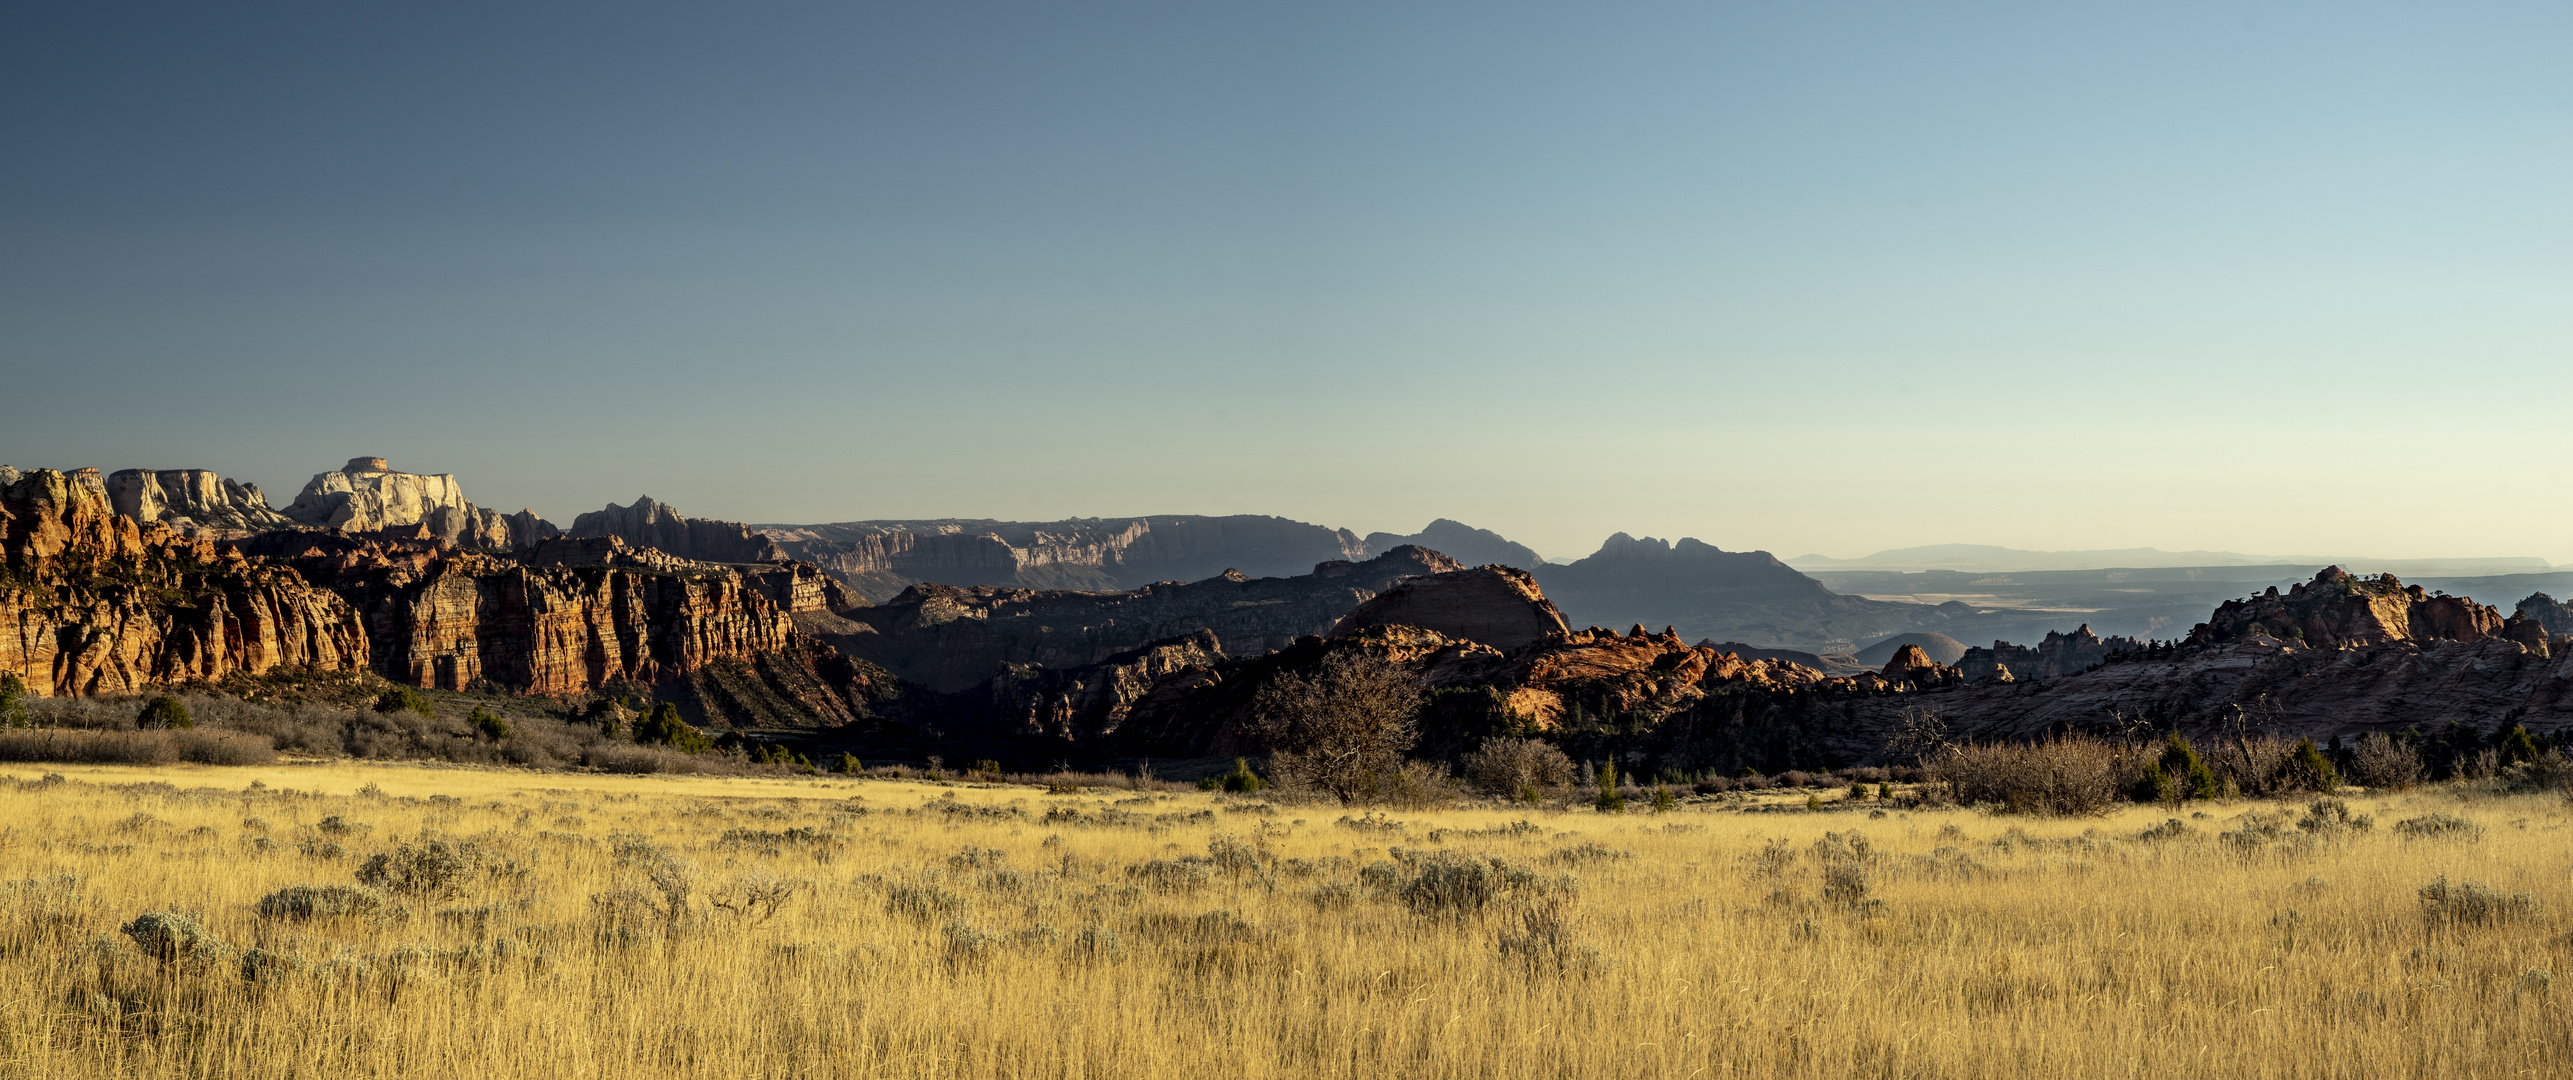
(1827, 663)
(367, 495)
(1912, 664)
(952, 638)
(1462, 542)
(196, 502)
(571, 617)
(1091, 703)
(93, 602)
(2058, 655)
(1569, 685)
(2341, 608)
(879, 559)
(1496, 605)
(651, 523)
(1939, 647)
(2546, 611)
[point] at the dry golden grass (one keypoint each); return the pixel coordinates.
(956, 932)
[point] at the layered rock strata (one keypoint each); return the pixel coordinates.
(571, 617)
(368, 496)
(93, 602)
(655, 524)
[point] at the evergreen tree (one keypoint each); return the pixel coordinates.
(13, 700)
(666, 728)
(2517, 747)
(2308, 769)
(165, 712)
(1610, 801)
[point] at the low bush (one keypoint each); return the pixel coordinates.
(1513, 768)
(159, 747)
(2468, 904)
(429, 868)
(171, 937)
(164, 713)
(2067, 774)
(2436, 826)
(2382, 761)
(319, 902)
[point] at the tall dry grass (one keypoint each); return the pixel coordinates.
(558, 927)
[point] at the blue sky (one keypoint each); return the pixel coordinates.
(1801, 277)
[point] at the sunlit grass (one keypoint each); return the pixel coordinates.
(956, 931)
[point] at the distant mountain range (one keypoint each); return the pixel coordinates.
(1987, 558)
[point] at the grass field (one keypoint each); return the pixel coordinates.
(605, 926)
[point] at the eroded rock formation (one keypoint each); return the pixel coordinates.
(195, 502)
(655, 524)
(2556, 616)
(2341, 608)
(93, 602)
(2058, 655)
(367, 495)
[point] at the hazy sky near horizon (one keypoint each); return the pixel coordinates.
(1801, 277)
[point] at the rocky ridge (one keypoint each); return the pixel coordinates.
(196, 502)
(1462, 542)
(1726, 595)
(2058, 655)
(879, 559)
(651, 523)
(953, 638)
(1495, 605)
(2341, 608)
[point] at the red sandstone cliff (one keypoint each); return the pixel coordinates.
(92, 602)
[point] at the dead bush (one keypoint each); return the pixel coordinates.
(2066, 774)
(1518, 768)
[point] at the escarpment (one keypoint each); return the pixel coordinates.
(93, 602)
